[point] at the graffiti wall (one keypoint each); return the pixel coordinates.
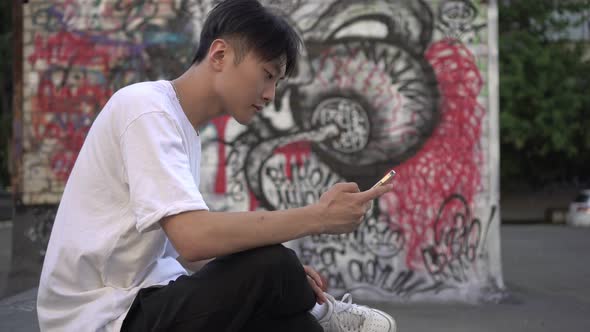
(382, 84)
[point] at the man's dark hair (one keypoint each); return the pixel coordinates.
(249, 26)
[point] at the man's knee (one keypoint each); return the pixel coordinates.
(274, 254)
(276, 258)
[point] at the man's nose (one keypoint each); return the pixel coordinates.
(269, 93)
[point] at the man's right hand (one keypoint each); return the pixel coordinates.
(342, 208)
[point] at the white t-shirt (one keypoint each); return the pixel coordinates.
(139, 163)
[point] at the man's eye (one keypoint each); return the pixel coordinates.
(268, 75)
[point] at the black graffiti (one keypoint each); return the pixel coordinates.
(379, 274)
(291, 193)
(374, 274)
(455, 242)
(364, 259)
(351, 120)
(350, 263)
(40, 231)
(325, 259)
(457, 18)
(366, 76)
(307, 182)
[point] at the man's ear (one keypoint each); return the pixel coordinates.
(218, 54)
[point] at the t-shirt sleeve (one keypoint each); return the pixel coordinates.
(157, 169)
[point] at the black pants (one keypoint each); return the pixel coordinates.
(263, 289)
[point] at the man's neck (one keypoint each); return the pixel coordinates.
(197, 95)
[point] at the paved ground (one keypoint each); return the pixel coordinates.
(545, 268)
(5, 254)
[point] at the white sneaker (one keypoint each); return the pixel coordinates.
(344, 316)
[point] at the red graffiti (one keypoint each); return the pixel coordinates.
(449, 161)
(220, 124)
(336, 69)
(67, 99)
(297, 151)
(65, 114)
(253, 201)
(67, 48)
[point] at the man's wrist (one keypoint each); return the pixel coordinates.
(313, 217)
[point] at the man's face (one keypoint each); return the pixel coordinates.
(246, 87)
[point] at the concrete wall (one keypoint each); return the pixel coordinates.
(405, 84)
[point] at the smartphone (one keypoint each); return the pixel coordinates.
(386, 179)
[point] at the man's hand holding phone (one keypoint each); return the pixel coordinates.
(342, 208)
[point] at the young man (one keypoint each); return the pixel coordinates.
(132, 206)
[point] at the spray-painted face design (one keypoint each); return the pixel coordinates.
(380, 85)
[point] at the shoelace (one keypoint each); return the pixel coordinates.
(352, 320)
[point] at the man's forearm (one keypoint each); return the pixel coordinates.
(199, 235)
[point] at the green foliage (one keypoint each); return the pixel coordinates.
(5, 90)
(544, 92)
